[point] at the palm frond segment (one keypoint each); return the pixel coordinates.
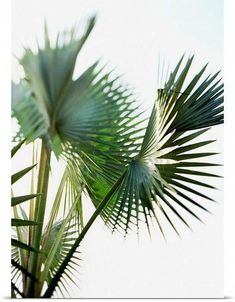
(50, 70)
(32, 119)
(48, 73)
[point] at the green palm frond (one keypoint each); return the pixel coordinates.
(33, 122)
(92, 115)
(50, 70)
(158, 177)
(36, 98)
(103, 121)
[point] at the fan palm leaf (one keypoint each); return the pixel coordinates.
(160, 176)
(92, 114)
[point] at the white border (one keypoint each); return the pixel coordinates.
(229, 197)
(5, 167)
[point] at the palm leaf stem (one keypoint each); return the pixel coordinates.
(53, 284)
(55, 208)
(32, 202)
(31, 207)
(40, 206)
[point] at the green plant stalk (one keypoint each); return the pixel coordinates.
(43, 180)
(64, 264)
(32, 203)
(31, 208)
(80, 211)
(55, 208)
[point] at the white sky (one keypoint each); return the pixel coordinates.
(131, 35)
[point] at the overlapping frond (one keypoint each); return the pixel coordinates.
(102, 128)
(93, 117)
(47, 75)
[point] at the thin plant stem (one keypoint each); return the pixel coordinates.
(55, 208)
(32, 202)
(40, 206)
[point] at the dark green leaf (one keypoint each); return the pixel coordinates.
(22, 222)
(20, 174)
(17, 147)
(14, 289)
(23, 270)
(22, 245)
(19, 199)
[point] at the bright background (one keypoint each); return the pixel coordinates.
(132, 35)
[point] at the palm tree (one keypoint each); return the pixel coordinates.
(130, 172)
